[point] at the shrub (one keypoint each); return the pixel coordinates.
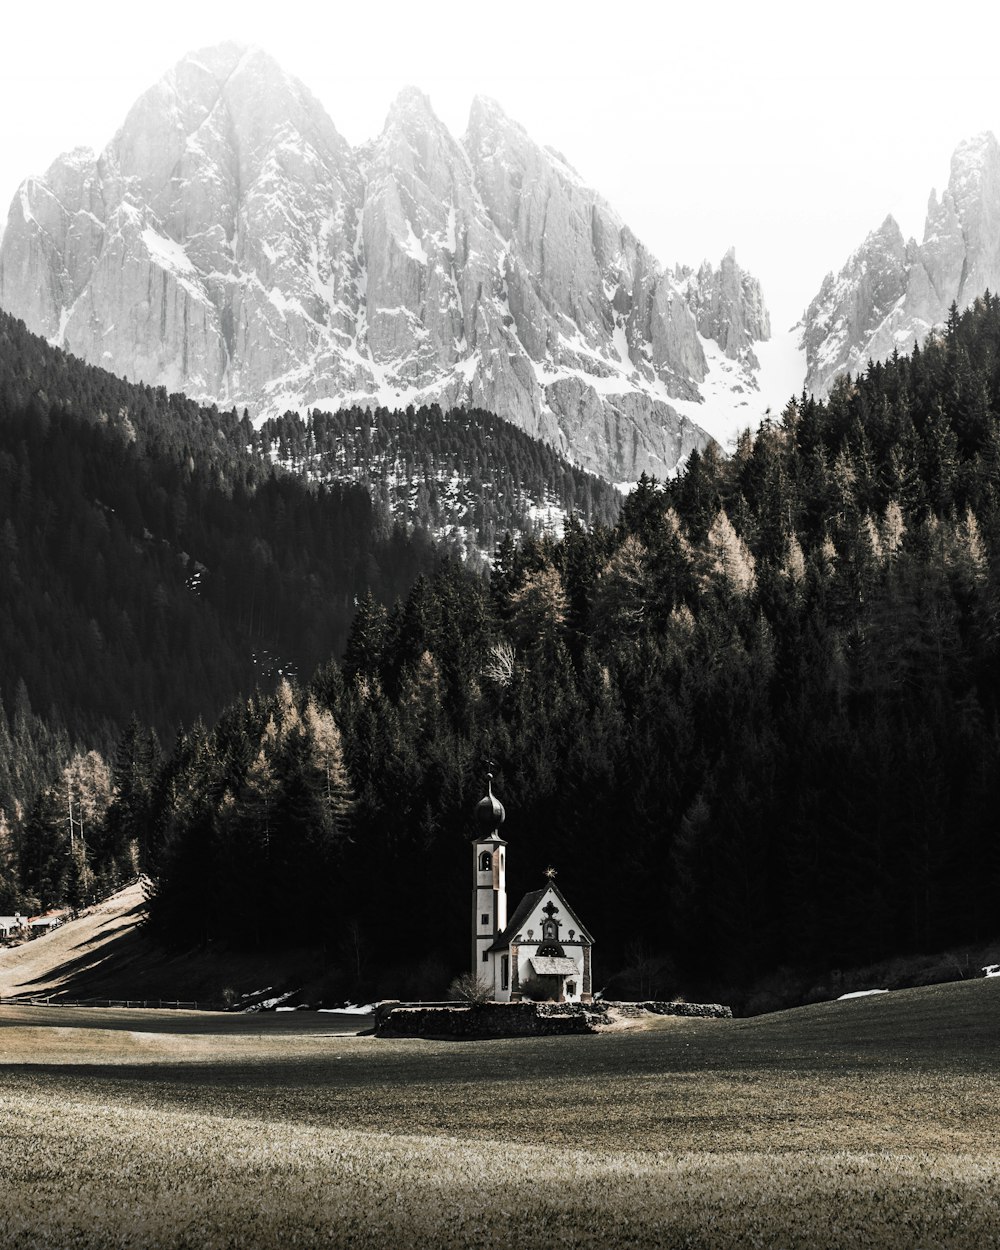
(468, 988)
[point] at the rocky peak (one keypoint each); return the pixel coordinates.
(230, 243)
(728, 306)
(410, 102)
(847, 313)
(890, 294)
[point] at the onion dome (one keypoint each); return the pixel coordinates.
(489, 810)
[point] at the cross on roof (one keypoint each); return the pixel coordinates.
(549, 909)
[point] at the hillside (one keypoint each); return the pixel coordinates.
(464, 475)
(160, 565)
(754, 724)
(106, 954)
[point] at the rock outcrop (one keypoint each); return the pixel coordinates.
(525, 1019)
(891, 293)
(229, 243)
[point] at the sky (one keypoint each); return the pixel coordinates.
(786, 130)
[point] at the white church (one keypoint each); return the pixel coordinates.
(543, 946)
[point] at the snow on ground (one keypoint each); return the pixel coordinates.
(730, 406)
(860, 994)
(782, 369)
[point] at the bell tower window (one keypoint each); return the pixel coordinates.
(485, 861)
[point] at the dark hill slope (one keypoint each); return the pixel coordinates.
(152, 562)
(463, 473)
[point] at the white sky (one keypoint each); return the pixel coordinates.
(787, 129)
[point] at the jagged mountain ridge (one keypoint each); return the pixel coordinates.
(230, 243)
(891, 293)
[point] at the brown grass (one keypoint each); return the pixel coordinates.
(874, 1122)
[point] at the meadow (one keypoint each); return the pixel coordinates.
(873, 1122)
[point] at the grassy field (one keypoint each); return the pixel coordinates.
(874, 1122)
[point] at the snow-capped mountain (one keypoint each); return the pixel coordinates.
(228, 242)
(890, 293)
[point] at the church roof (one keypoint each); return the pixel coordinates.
(490, 813)
(553, 966)
(524, 909)
(521, 913)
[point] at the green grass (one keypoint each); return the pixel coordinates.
(874, 1122)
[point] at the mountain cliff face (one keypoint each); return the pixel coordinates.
(890, 293)
(229, 242)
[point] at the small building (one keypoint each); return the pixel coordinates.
(48, 920)
(544, 949)
(12, 926)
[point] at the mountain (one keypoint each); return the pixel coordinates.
(230, 243)
(891, 293)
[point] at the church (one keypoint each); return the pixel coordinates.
(543, 950)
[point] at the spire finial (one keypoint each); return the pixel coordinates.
(489, 811)
(551, 873)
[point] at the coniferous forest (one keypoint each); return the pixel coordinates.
(752, 723)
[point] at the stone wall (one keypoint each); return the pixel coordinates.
(525, 1019)
(694, 1011)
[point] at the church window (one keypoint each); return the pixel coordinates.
(486, 919)
(504, 971)
(570, 987)
(485, 861)
(486, 957)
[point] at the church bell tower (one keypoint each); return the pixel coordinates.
(489, 876)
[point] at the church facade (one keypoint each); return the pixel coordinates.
(542, 950)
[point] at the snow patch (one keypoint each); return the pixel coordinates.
(731, 404)
(412, 246)
(860, 994)
(782, 369)
(26, 203)
(167, 253)
(59, 338)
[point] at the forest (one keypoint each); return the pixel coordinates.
(752, 723)
(462, 473)
(159, 559)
